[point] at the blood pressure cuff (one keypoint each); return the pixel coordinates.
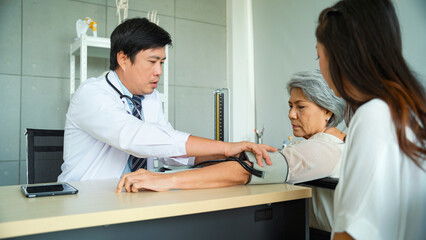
(275, 173)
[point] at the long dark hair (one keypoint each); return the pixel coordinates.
(362, 41)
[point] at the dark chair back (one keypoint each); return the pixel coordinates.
(45, 155)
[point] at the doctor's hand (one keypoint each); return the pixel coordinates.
(143, 179)
(260, 150)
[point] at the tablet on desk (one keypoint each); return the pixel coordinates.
(49, 189)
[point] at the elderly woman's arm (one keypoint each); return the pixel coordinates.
(313, 159)
(214, 176)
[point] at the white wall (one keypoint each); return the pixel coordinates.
(412, 19)
(34, 65)
(284, 43)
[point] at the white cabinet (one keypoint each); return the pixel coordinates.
(87, 46)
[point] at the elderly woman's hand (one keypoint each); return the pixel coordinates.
(260, 150)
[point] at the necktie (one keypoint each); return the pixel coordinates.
(136, 162)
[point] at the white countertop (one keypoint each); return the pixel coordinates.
(97, 204)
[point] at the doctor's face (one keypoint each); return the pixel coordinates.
(142, 76)
(307, 118)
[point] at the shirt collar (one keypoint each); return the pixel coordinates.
(123, 88)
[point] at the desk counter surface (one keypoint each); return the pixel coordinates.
(97, 204)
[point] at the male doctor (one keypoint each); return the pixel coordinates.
(115, 123)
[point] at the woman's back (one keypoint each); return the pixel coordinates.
(381, 193)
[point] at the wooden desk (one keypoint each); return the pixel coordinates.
(97, 208)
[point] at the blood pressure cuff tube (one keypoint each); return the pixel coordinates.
(275, 173)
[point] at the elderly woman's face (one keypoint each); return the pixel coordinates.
(307, 118)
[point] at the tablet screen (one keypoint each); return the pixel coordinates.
(47, 188)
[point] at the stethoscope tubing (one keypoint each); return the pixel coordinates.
(122, 95)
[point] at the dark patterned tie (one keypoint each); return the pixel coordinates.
(136, 162)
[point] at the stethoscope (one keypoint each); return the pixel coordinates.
(122, 95)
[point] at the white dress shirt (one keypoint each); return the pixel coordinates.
(381, 192)
(101, 132)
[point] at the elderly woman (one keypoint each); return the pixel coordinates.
(314, 113)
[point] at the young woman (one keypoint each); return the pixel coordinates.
(382, 188)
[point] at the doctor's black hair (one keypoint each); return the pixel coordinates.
(134, 35)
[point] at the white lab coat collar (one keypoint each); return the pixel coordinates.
(148, 104)
(115, 81)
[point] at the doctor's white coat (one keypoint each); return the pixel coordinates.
(100, 132)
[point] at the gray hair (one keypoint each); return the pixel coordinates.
(316, 90)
